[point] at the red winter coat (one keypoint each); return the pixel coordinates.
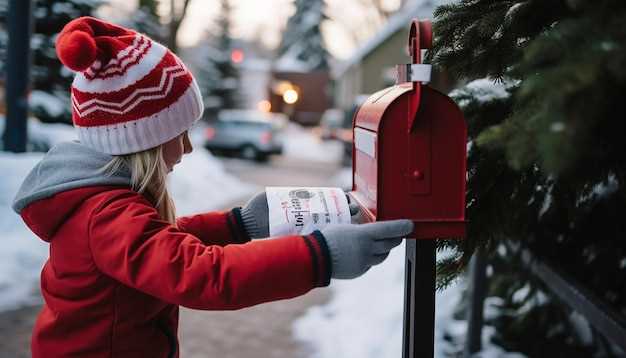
(117, 272)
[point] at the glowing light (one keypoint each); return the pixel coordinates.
(237, 56)
(264, 106)
(282, 86)
(210, 133)
(290, 96)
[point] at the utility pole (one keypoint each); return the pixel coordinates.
(17, 75)
(478, 290)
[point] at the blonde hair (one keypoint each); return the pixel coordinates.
(148, 176)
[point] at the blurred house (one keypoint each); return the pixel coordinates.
(371, 68)
(303, 96)
(300, 81)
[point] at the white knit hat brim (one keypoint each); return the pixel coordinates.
(149, 132)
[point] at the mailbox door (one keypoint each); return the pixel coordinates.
(436, 148)
(365, 176)
(366, 148)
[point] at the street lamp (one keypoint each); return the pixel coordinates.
(17, 75)
(290, 96)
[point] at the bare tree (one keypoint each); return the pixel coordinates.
(176, 18)
(369, 16)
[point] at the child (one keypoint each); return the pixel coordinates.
(120, 262)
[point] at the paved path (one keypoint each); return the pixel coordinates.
(260, 331)
(15, 330)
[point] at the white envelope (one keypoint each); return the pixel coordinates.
(302, 210)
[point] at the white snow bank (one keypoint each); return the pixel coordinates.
(51, 133)
(200, 183)
(52, 105)
(48, 133)
(22, 255)
(364, 317)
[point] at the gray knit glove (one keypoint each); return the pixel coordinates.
(255, 216)
(355, 248)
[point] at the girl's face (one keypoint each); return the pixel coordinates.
(175, 148)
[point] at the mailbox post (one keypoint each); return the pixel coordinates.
(409, 162)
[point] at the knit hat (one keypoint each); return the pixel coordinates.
(129, 93)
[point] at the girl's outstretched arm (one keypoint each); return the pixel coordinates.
(215, 227)
(130, 243)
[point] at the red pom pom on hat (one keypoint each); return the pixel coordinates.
(75, 46)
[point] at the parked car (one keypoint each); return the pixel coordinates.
(344, 133)
(332, 120)
(250, 134)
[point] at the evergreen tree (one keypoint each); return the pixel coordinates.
(4, 39)
(149, 6)
(302, 45)
(547, 164)
(218, 76)
(146, 21)
(47, 73)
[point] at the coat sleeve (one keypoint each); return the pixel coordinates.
(130, 243)
(215, 228)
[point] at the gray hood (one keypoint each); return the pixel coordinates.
(68, 165)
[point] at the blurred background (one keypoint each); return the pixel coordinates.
(541, 85)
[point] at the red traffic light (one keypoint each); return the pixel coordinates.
(236, 56)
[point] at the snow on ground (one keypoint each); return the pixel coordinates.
(48, 133)
(364, 316)
(199, 183)
(301, 144)
(51, 133)
(52, 105)
(22, 254)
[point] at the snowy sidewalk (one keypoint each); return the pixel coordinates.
(15, 329)
(260, 331)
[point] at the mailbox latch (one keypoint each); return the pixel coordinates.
(413, 72)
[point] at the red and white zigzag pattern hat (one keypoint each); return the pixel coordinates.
(130, 93)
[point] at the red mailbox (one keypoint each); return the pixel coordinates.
(409, 151)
